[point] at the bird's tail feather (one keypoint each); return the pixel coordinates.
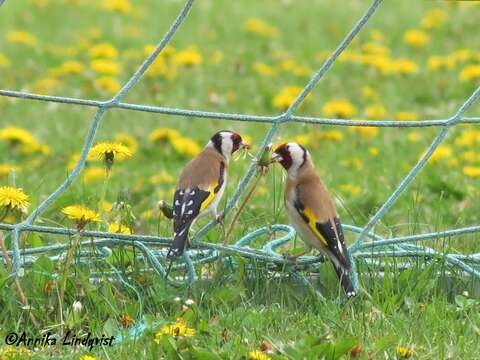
(179, 241)
(345, 280)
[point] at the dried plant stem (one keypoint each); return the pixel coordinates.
(242, 206)
(68, 262)
(21, 294)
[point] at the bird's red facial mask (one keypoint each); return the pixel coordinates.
(237, 142)
(283, 156)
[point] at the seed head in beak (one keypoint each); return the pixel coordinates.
(244, 145)
(276, 157)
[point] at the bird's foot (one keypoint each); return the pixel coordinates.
(219, 218)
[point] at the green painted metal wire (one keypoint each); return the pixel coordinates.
(150, 247)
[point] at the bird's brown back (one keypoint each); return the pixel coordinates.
(203, 170)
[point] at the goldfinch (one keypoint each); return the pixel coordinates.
(201, 186)
(311, 210)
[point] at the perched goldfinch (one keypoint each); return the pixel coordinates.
(311, 210)
(201, 186)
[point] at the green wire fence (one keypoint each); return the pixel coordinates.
(152, 248)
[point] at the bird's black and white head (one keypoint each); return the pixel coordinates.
(291, 156)
(227, 142)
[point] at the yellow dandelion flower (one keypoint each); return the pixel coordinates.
(106, 67)
(416, 38)
(375, 49)
(47, 85)
(303, 139)
(288, 65)
(339, 109)
(105, 206)
(462, 55)
(108, 84)
(68, 68)
(103, 50)
(13, 198)
(369, 93)
(11, 352)
(470, 156)
(442, 152)
(434, 18)
(6, 169)
(331, 135)
(109, 152)
(414, 136)
(128, 140)
(118, 228)
(406, 116)
(163, 134)
(260, 27)
(40, 3)
(373, 151)
(436, 63)
(352, 189)
(167, 52)
(404, 66)
(286, 97)
(376, 111)
(93, 174)
(120, 6)
(21, 37)
(162, 178)
(179, 328)
(472, 171)
(81, 214)
(404, 352)
(147, 214)
(264, 69)
(383, 64)
(301, 71)
(185, 146)
(257, 355)
(452, 162)
(188, 57)
(466, 139)
(470, 72)
(87, 357)
(160, 67)
(4, 62)
(16, 136)
(366, 131)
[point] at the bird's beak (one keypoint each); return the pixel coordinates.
(244, 145)
(276, 158)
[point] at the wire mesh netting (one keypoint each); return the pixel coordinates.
(152, 248)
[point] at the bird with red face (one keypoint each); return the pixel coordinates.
(201, 186)
(311, 210)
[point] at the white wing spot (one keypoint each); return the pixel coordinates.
(192, 192)
(189, 212)
(190, 203)
(177, 202)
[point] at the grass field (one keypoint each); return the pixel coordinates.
(414, 60)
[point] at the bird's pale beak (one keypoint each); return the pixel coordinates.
(244, 145)
(276, 158)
